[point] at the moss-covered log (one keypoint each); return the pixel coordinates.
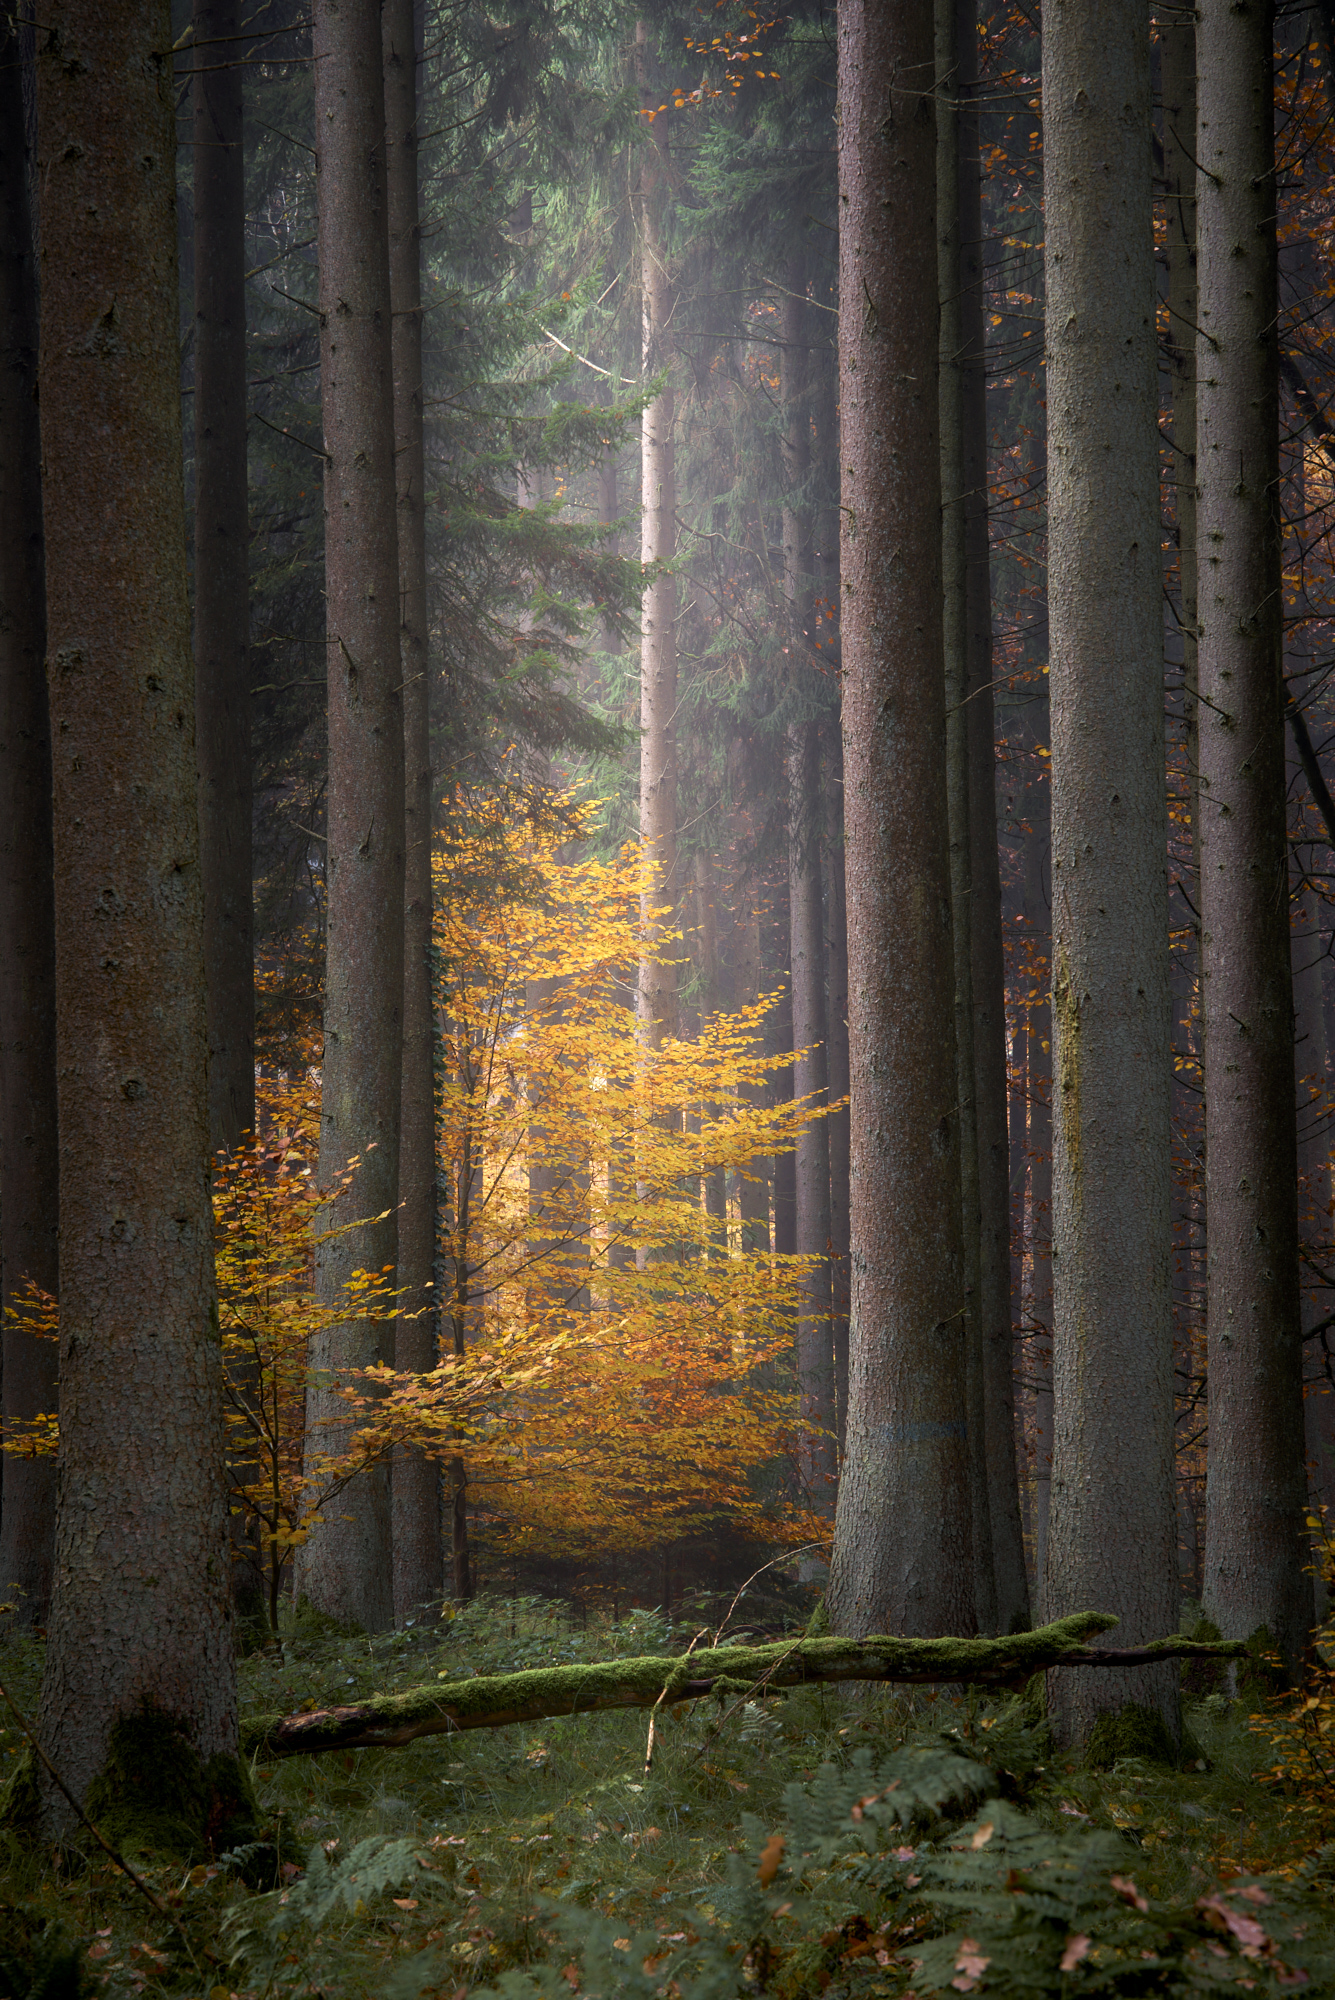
(490, 1701)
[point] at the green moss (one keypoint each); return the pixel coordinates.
(154, 1795)
(1262, 1673)
(1133, 1731)
(309, 1623)
(1204, 1677)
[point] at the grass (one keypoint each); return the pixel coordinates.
(532, 1838)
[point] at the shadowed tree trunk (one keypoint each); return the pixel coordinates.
(418, 1556)
(956, 635)
(989, 960)
(140, 1616)
(28, 1218)
(1112, 1531)
(1039, 1145)
(837, 1035)
(1255, 1481)
(222, 582)
(346, 1568)
(806, 919)
(902, 1555)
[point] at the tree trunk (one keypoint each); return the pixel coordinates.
(1255, 1482)
(806, 922)
(989, 959)
(779, 1038)
(347, 1568)
(902, 1556)
(657, 1003)
(496, 1701)
(1112, 1531)
(28, 1219)
(753, 1185)
(141, 1614)
(1039, 1146)
(956, 633)
(837, 1036)
(419, 1574)
(222, 579)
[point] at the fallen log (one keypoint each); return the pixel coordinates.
(492, 1701)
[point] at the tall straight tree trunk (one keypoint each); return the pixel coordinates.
(1039, 1146)
(419, 1573)
(777, 953)
(837, 1035)
(222, 580)
(989, 959)
(347, 1566)
(956, 636)
(1311, 1079)
(141, 1614)
(1112, 1530)
(1255, 1482)
(30, 1211)
(806, 917)
(902, 1556)
(657, 990)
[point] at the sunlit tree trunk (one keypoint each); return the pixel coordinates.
(1112, 1527)
(30, 1211)
(658, 544)
(140, 1612)
(902, 1555)
(418, 1561)
(222, 580)
(347, 1566)
(1255, 1484)
(956, 634)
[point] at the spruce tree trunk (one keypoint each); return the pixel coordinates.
(1039, 1147)
(1255, 1484)
(1311, 1078)
(222, 580)
(837, 1035)
(806, 917)
(419, 1573)
(989, 959)
(956, 635)
(347, 1568)
(30, 1212)
(1112, 1529)
(902, 1555)
(141, 1613)
(657, 991)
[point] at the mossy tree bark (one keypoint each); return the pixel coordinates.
(419, 1569)
(902, 1554)
(29, 1216)
(347, 1568)
(1112, 1517)
(730, 1673)
(222, 581)
(1255, 1482)
(141, 1614)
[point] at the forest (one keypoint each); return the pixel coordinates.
(667, 1291)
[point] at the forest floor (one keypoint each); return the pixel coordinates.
(852, 1842)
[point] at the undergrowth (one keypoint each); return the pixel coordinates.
(857, 1843)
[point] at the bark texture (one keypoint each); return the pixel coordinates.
(1255, 1483)
(141, 1613)
(902, 1555)
(346, 1568)
(657, 990)
(1112, 1532)
(222, 582)
(28, 1219)
(989, 959)
(419, 1570)
(955, 638)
